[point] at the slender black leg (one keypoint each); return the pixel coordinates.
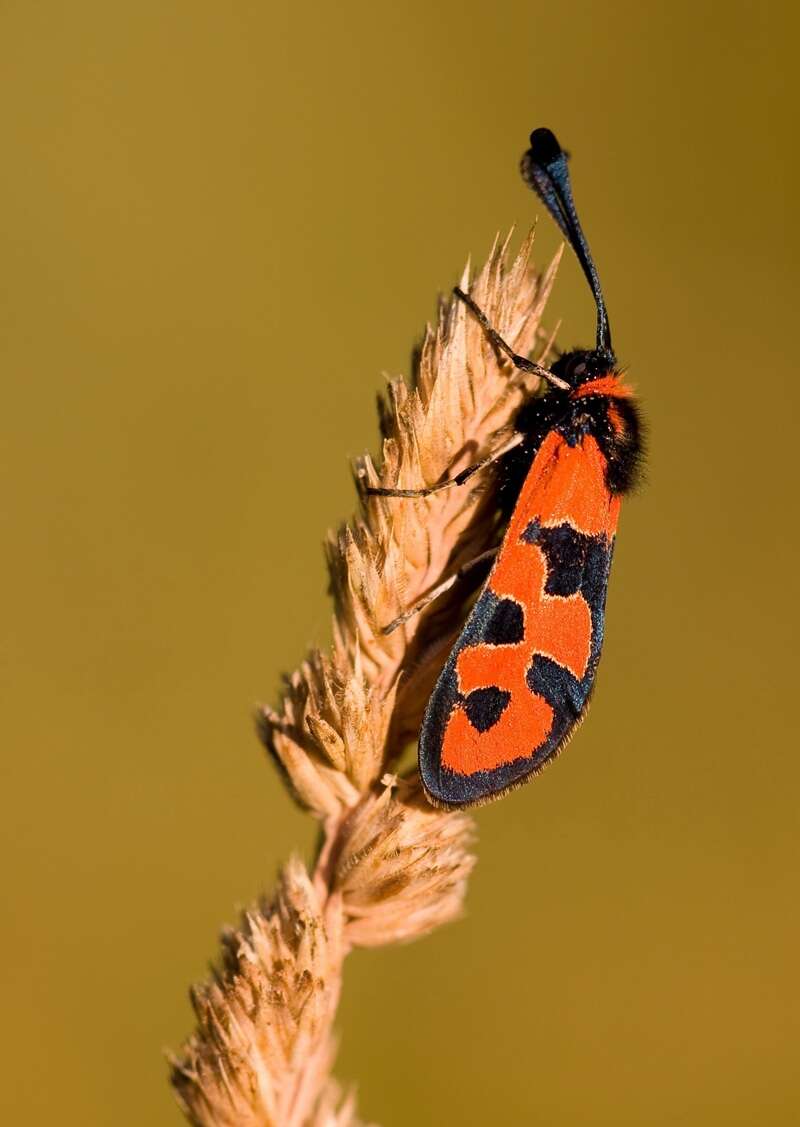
(439, 589)
(449, 482)
(520, 362)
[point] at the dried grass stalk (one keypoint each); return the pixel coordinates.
(390, 867)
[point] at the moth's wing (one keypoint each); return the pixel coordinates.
(518, 679)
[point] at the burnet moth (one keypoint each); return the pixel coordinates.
(519, 677)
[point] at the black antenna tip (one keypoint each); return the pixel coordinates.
(544, 147)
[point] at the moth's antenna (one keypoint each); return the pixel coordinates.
(544, 168)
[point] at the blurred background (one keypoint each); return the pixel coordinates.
(219, 224)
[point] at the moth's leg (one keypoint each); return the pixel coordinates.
(440, 589)
(520, 362)
(459, 479)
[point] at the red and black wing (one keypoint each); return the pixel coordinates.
(519, 677)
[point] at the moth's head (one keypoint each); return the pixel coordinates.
(583, 365)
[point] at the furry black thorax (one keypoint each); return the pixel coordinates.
(574, 419)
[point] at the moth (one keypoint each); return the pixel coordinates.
(518, 680)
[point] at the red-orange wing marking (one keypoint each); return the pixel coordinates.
(520, 674)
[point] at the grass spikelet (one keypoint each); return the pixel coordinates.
(390, 868)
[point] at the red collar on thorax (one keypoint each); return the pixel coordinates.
(610, 384)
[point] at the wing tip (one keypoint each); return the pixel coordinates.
(447, 792)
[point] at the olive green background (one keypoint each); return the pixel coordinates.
(219, 223)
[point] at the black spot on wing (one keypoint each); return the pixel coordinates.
(484, 707)
(552, 681)
(532, 532)
(504, 624)
(564, 692)
(565, 551)
(594, 583)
